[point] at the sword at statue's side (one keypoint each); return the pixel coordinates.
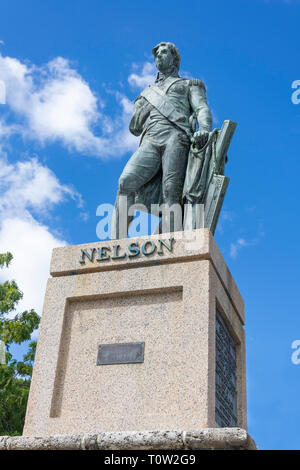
(205, 182)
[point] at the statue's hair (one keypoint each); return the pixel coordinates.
(173, 49)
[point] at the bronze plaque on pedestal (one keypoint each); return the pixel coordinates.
(120, 353)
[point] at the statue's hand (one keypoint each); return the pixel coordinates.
(200, 138)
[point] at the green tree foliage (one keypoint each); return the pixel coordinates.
(14, 376)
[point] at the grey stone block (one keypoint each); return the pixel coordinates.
(142, 440)
(203, 439)
(3, 440)
(219, 438)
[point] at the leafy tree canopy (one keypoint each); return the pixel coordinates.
(14, 376)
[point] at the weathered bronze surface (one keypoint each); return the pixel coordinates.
(120, 353)
(180, 160)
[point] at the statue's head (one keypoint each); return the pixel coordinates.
(166, 55)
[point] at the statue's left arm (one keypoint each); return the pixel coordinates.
(199, 106)
(141, 112)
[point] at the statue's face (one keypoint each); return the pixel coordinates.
(163, 58)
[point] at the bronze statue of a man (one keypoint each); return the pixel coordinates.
(165, 115)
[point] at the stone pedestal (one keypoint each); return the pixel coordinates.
(203, 439)
(174, 294)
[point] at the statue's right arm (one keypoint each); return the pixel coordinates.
(142, 109)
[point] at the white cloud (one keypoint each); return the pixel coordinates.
(27, 188)
(30, 186)
(31, 245)
(235, 247)
(242, 243)
(145, 76)
(2, 92)
(54, 103)
(119, 140)
(54, 100)
(6, 131)
(225, 216)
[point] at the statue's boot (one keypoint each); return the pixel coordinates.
(120, 219)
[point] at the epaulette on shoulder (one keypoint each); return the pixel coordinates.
(196, 82)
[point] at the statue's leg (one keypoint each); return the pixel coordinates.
(120, 222)
(174, 163)
(140, 169)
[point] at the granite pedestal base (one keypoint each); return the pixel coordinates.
(174, 294)
(205, 439)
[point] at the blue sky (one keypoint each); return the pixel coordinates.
(72, 70)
